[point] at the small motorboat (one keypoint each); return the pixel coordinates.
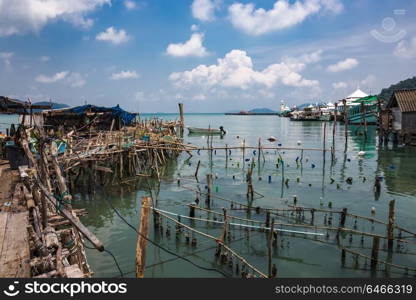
(196, 130)
(272, 139)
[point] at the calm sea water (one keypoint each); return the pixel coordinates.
(297, 255)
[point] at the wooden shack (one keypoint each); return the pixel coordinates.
(399, 118)
(87, 117)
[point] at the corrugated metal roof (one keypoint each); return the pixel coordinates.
(406, 100)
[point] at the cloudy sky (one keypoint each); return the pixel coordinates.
(213, 55)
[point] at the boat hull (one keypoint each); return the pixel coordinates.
(194, 130)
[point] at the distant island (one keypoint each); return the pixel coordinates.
(254, 111)
(54, 105)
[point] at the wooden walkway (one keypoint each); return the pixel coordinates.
(14, 239)
(14, 244)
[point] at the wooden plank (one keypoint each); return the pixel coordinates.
(3, 223)
(15, 255)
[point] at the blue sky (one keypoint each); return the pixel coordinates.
(213, 55)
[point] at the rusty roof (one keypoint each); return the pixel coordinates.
(404, 99)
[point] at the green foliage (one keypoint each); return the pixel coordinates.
(407, 84)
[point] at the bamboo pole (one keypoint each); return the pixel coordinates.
(142, 238)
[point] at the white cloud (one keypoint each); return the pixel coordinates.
(346, 64)
(283, 14)
(405, 49)
(192, 47)
(51, 79)
(339, 85)
(194, 27)
(199, 97)
(6, 56)
(44, 58)
(236, 70)
(130, 5)
(307, 58)
(21, 16)
(75, 80)
(71, 79)
(124, 75)
(204, 10)
(114, 36)
(368, 81)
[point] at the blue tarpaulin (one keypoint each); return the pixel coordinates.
(115, 111)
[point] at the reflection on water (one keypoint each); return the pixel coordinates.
(398, 165)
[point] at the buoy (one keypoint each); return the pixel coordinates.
(373, 210)
(313, 166)
(270, 179)
(349, 180)
(299, 143)
(280, 145)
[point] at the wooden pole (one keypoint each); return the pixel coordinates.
(324, 142)
(197, 170)
(374, 252)
(269, 246)
(390, 226)
(182, 125)
(142, 239)
(343, 217)
(209, 184)
(345, 122)
(334, 130)
(226, 155)
(343, 255)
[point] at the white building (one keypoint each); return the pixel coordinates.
(354, 96)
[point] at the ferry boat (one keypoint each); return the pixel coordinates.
(365, 111)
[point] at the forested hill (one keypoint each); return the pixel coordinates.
(405, 84)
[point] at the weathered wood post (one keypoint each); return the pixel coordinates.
(142, 238)
(374, 253)
(334, 130)
(258, 156)
(182, 125)
(269, 247)
(209, 186)
(226, 155)
(324, 141)
(390, 226)
(343, 217)
(197, 170)
(343, 254)
(345, 122)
